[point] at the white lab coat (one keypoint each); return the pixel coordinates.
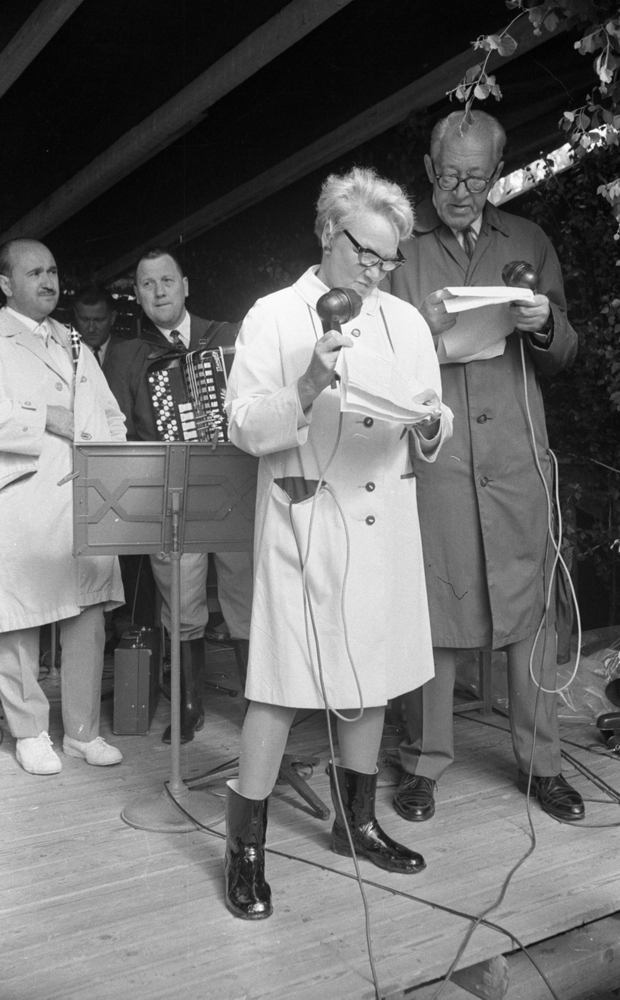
(365, 572)
(40, 580)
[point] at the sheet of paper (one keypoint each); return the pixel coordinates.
(477, 335)
(373, 385)
(479, 296)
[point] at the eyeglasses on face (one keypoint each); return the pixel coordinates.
(369, 258)
(450, 182)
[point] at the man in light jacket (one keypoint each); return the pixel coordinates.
(52, 393)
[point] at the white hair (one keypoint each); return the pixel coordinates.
(361, 190)
(479, 125)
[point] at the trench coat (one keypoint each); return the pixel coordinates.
(483, 511)
(40, 579)
(363, 635)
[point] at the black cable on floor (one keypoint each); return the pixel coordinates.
(477, 921)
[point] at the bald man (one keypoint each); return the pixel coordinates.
(52, 393)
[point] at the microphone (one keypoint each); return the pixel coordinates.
(337, 306)
(520, 274)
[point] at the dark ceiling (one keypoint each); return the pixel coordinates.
(114, 62)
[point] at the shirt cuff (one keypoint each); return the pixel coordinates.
(543, 338)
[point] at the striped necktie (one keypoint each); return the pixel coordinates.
(469, 241)
(175, 338)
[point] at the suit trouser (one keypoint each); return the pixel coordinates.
(429, 747)
(234, 590)
(82, 639)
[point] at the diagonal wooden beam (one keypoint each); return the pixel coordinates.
(33, 36)
(184, 110)
(420, 94)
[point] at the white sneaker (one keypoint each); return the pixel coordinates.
(96, 752)
(35, 755)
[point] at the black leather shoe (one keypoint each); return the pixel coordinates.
(415, 798)
(555, 795)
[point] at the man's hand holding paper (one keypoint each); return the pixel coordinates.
(486, 316)
(433, 310)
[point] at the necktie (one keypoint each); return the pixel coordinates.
(175, 337)
(469, 241)
(97, 353)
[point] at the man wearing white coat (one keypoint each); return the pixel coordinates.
(51, 394)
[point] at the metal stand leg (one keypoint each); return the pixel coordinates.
(158, 812)
(287, 773)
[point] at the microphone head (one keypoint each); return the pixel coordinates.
(339, 305)
(520, 274)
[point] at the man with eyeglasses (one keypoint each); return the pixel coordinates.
(482, 506)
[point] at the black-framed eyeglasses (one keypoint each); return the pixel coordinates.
(450, 182)
(369, 258)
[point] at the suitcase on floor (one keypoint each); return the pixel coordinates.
(136, 682)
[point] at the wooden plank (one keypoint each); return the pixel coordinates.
(579, 964)
(420, 94)
(487, 980)
(32, 37)
(183, 111)
(90, 907)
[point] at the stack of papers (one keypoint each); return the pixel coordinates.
(476, 296)
(373, 386)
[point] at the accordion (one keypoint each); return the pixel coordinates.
(187, 394)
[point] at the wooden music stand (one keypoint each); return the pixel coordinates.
(165, 497)
(170, 497)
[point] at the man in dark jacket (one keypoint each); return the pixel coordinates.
(483, 506)
(161, 289)
(94, 316)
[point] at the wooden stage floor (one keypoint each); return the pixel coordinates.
(92, 909)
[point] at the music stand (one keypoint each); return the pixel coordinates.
(165, 497)
(171, 497)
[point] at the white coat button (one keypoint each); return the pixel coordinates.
(484, 481)
(85, 436)
(368, 421)
(370, 519)
(370, 487)
(482, 419)
(59, 386)
(355, 333)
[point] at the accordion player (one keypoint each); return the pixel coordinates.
(187, 394)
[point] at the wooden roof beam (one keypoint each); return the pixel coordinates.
(185, 109)
(33, 36)
(422, 93)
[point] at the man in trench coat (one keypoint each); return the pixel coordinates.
(483, 506)
(52, 393)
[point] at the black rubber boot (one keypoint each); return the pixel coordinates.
(369, 840)
(242, 651)
(192, 681)
(247, 894)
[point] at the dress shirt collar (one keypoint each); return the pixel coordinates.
(184, 329)
(426, 219)
(42, 329)
(101, 351)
